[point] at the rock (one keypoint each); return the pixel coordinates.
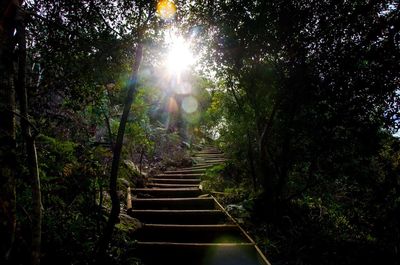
(134, 169)
(234, 207)
(124, 181)
(128, 223)
(238, 211)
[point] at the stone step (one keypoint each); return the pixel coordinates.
(209, 156)
(206, 203)
(203, 163)
(191, 233)
(198, 166)
(180, 176)
(186, 171)
(175, 181)
(179, 216)
(214, 160)
(167, 192)
(166, 253)
(208, 152)
(160, 185)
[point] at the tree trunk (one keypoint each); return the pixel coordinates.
(7, 132)
(267, 165)
(141, 161)
(249, 145)
(115, 202)
(33, 168)
(251, 160)
(109, 131)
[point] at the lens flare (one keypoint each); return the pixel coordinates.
(190, 104)
(166, 9)
(172, 105)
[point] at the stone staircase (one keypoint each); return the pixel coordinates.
(181, 225)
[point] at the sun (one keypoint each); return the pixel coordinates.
(179, 56)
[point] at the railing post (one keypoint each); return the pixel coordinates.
(129, 199)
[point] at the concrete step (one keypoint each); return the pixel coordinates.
(186, 171)
(197, 166)
(179, 216)
(215, 160)
(212, 163)
(209, 156)
(175, 181)
(206, 203)
(166, 253)
(167, 192)
(191, 233)
(180, 176)
(209, 151)
(159, 185)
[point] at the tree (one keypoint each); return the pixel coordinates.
(132, 87)
(316, 86)
(7, 129)
(32, 158)
(299, 60)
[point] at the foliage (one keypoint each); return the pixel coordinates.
(79, 55)
(307, 98)
(226, 183)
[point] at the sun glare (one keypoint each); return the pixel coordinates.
(179, 56)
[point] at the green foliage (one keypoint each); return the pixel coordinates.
(56, 156)
(70, 174)
(304, 98)
(224, 182)
(213, 180)
(138, 130)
